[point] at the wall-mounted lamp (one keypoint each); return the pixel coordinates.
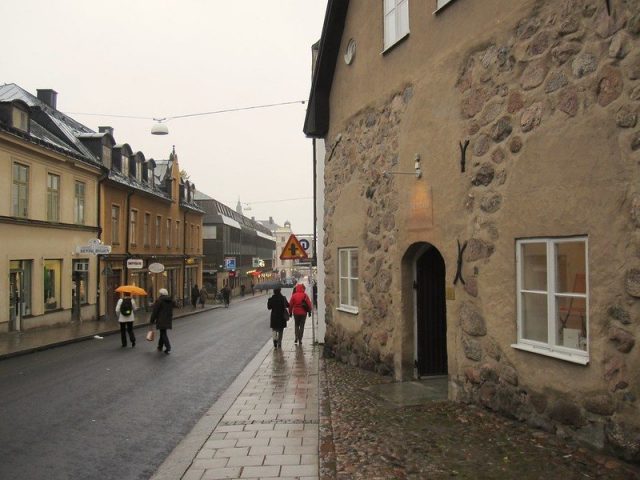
(159, 128)
(416, 166)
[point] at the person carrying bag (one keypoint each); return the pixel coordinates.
(278, 305)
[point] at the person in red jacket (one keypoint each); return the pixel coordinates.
(299, 307)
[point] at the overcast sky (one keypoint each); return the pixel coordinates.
(175, 57)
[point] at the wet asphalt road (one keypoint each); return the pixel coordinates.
(95, 410)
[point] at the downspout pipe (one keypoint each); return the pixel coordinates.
(314, 262)
(128, 220)
(184, 259)
(101, 179)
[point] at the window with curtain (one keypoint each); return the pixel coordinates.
(20, 190)
(147, 226)
(158, 230)
(78, 203)
(396, 21)
(115, 225)
(553, 297)
(53, 197)
(133, 227)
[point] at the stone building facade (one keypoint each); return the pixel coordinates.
(512, 263)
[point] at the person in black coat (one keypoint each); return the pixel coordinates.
(279, 306)
(195, 295)
(162, 316)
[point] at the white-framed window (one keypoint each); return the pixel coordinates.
(20, 119)
(78, 202)
(553, 297)
(147, 226)
(125, 165)
(53, 197)
(396, 21)
(348, 279)
(20, 190)
(158, 230)
(441, 3)
(133, 227)
(115, 224)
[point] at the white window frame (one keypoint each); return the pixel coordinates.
(550, 348)
(133, 227)
(352, 306)
(20, 190)
(79, 202)
(53, 197)
(440, 4)
(396, 13)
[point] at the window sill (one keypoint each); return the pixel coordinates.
(352, 311)
(438, 10)
(395, 44)
(568, 357)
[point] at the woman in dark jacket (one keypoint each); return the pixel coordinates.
(162, 316)
(279, 315)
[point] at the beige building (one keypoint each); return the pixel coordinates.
(150, 217)
(49, 208)
(481, 208)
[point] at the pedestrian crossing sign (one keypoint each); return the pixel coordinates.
(293, 250)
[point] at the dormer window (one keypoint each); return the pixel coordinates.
(106, 155)
(138, 171)
(124, 165)
(20, 118)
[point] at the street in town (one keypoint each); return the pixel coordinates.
(95, 410)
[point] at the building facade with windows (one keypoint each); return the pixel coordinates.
(237, 250)
(480, 203)
(48, 210)
(69, 187)
(149, 216)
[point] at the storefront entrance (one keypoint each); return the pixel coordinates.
(19, 293)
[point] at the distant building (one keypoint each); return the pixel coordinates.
(284, 268)
(237, 250)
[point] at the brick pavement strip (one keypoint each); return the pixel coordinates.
(270, 429)
(364, 437)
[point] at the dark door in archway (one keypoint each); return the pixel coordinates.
(431, 314)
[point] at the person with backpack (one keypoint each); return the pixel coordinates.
(126, 317)
(299, 307)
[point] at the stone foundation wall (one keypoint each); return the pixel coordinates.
(368, 147)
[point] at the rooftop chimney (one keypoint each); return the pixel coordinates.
(270, 219)
(48, 96)
(108, 130)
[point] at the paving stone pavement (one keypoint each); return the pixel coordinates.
(364, 436)
(270, 429)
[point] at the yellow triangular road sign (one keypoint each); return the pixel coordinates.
(293, 250)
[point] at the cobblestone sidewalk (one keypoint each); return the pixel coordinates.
(364, 437)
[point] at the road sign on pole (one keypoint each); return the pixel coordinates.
(293, 250)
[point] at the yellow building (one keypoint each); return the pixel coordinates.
(83, 215)
(48, 209)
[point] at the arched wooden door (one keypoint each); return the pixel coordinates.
(431, 313)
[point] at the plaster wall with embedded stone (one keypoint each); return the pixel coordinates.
(549, 98)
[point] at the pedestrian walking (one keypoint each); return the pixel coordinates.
(226, 295)
(162, 316)
(126, 317)
(195, 295)
(314, 290)
(279, 306)
(299, 307)
(203, 296)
